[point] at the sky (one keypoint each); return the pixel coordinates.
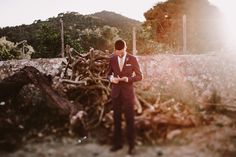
(17, 12)
(226, 6)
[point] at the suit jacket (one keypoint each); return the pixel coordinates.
(131, 69)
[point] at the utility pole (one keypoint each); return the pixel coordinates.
(184, 34)
(62, 39)
(134, 41)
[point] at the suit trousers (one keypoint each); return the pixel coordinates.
(126, 105)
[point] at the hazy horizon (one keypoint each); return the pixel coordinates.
(15, 12)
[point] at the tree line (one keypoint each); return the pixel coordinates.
(161, 32)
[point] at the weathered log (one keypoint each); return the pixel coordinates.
(12, 85)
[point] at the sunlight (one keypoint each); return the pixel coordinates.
(228, 8)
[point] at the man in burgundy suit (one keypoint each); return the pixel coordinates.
(123, 71)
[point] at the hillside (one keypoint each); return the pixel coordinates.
(116, 20)
(81, 32)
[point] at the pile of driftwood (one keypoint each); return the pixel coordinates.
(82, 93)
(84, 80)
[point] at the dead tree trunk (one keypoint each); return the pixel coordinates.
(10, 86)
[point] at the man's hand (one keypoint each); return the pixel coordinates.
(115, 80)
(124, 79)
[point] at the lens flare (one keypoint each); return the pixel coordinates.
(227, 7)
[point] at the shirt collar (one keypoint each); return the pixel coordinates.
(124, 56)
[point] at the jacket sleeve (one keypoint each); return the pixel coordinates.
(109, 71)
(138, 73)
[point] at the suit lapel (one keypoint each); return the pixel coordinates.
(117, 64)
(126, 59)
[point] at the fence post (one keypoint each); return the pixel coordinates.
(184, 34)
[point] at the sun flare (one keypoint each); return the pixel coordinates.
(227, 7)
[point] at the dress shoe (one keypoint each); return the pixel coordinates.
(131, 151)
(115, 148)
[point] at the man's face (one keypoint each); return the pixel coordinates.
(120, 53)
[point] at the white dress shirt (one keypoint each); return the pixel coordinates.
(119, 58)
(123, 59)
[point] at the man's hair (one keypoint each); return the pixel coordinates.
(120, 44)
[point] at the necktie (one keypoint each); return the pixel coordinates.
(121, 63)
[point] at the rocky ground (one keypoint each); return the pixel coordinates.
(194, 80)
(215, 140)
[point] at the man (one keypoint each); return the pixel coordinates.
(123, 71)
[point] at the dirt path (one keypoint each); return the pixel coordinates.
(207, 141)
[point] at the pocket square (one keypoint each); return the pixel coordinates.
(128, 65)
